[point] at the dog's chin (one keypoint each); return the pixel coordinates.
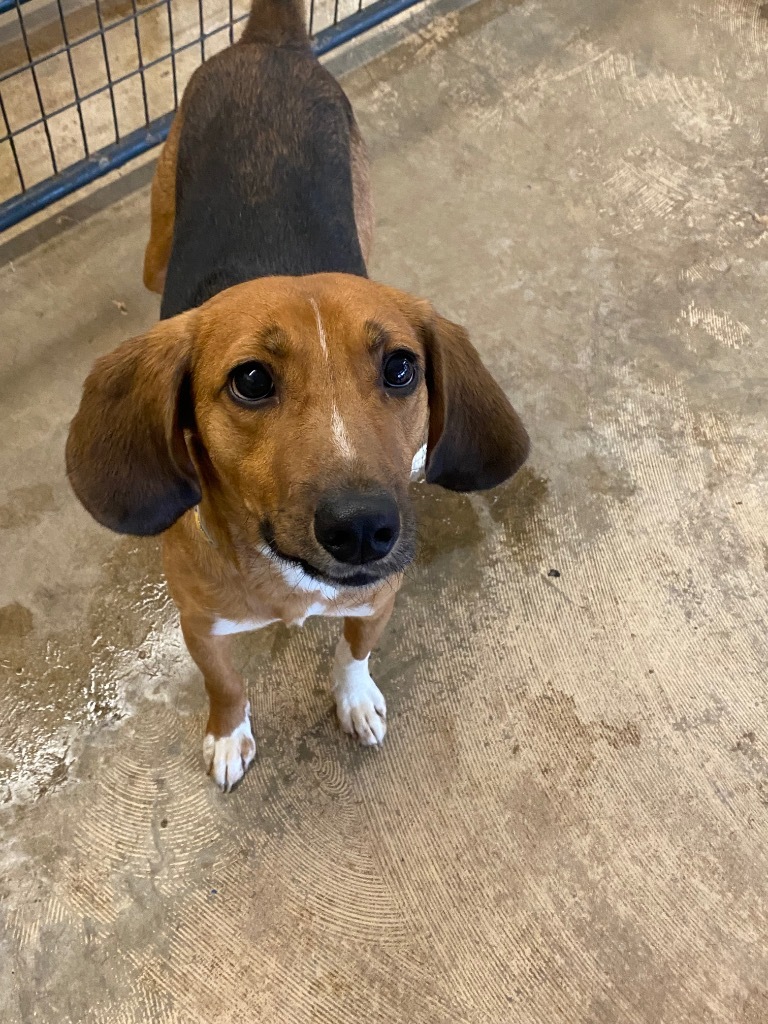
(356, 579)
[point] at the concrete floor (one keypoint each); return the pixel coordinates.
(568, 823)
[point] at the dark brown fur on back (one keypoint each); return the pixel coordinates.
(264, 180)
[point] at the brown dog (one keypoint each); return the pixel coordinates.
(270, 425)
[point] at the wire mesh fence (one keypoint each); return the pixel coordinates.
(87, 85)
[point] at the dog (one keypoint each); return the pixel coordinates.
(268, 426)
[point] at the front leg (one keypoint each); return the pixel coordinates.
(360, 704)
(229, 746)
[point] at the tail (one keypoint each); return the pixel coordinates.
(277, 23)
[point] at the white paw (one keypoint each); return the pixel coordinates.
(360, 704)
(227, 757)
(363, 714)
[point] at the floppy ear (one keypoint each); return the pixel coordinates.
(127, 460)
(476, 439)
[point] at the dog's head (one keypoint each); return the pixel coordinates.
(299, 407)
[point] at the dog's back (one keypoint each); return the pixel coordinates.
(264, 171)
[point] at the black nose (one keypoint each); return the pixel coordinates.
(357, 527)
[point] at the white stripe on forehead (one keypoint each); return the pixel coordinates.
(338, 430)
(320, 329)
(340, 435)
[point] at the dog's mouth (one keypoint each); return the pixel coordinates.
(361, 578)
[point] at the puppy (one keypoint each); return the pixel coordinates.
(269, 425)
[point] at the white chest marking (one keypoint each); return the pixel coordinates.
(333, 611)
(340, 435)
(295, 577)
(362, 611)
(316, 608)
(225, 627)
(300, 582)
(320, 329)
(419, 462)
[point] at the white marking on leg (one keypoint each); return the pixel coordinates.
(340, 435)
(419, 462)
(225, 627)
(320, 329)
(360, 704)
(227, 757)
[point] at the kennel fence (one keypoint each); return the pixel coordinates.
(87, 85)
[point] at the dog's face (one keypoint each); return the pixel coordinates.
(310, 404)
(298, 407)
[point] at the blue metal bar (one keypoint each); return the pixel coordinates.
(73, 76)
(8, 5)
(12, 140)
(173, 50)
(84, 172)
(105, 53)
(356, 24)
(119, 153)
(202, 29)
(137, 34)
(39, 95)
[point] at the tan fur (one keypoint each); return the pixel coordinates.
(162, 211)
(362, 634)
(224, 686)
(361, 187)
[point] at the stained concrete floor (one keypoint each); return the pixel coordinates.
(569, 820)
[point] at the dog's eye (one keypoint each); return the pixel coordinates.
(251, 383)
(399, 369)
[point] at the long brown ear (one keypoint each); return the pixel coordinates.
(476, 439)
(127, 459)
